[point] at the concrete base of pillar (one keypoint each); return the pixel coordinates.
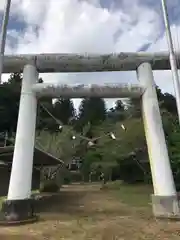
(166, 207)
(16, 212)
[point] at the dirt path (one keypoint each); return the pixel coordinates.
(85, 212)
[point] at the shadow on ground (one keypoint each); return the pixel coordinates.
(74, 203)
(61, 202)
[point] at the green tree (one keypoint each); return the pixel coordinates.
(9, 102)
(166, 101)
(133, 108)
(172, 132)
(64, 110)
(44, 119)
(92, 110)
(117, 113)
(59, 144)
(119, 105)
(15, 81)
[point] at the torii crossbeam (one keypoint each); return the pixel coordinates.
(123, 61)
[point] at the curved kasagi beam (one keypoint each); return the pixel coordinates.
(87, 62)
(84, 91)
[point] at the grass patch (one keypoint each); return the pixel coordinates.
(134, 195)
(35, 191)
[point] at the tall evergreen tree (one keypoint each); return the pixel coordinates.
(64, 110)
(167, 101)
(9, 102)
(134, 107)
(117, 113)
(92, 110)
(119, 106)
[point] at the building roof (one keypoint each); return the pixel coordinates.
(40, 157)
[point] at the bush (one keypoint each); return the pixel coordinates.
(131, 172)
(49, 186)
(67, 180)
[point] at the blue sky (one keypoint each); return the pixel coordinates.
(92, 26)
(16, 22)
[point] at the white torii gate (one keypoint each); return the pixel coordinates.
(18, 206)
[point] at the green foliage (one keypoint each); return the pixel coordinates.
(173, 139)
(91, 110)
(134, 107)
(58, 144)
(131, 172)
(86, 165)
(9, 103)
(64, 110)
(67, 180)
(94, 121)
(118, 113)
(167, 102)
(44, 120)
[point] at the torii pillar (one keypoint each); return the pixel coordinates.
(164, 200)
(19, 207)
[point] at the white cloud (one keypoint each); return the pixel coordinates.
(84, 26)
(164, 78)
(2, 4)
